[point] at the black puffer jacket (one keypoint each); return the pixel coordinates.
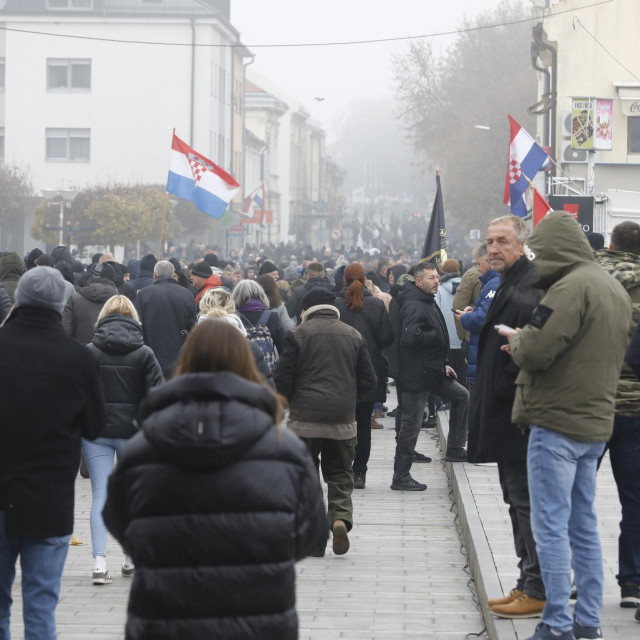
(373, 324)
(83, 308)
(214, 506)
(5, 303)
(424, 340)
(128, 369)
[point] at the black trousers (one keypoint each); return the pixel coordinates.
(363, 448)
(515, 491)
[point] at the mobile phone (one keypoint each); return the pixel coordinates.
(504, 327)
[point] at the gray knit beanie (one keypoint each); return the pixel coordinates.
(41, 287)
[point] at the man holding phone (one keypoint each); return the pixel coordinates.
(424, 343)
(492, 435)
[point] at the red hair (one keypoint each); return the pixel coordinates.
(354, 277)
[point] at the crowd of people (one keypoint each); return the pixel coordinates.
(223, 386)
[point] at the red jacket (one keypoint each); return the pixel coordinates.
(211, 282)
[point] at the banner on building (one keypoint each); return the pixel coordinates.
(592, 124)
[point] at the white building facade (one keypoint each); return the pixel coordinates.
(98, 109)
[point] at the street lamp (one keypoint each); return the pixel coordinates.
(64, 197)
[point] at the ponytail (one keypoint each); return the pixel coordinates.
(354, 277)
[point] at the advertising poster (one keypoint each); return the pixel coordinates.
(580, 207)
(582, 123)
(603, 121)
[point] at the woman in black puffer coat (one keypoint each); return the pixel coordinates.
(214, 503)
(360, 310)
(128, 369)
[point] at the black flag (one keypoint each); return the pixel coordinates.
(435, 244)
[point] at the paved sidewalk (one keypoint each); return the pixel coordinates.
(486, 510)
(402, 579)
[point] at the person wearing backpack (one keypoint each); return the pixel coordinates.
(262, 325)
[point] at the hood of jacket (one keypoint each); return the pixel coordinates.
(557, 245)
(98, 290)
(450, 282)
(62, 253)
(321, 311)
(343, 291)
(118, 334)
(11, 265)
(205, 421)
(623, 266)
(411, 292)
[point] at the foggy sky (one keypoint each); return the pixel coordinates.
(341, 74)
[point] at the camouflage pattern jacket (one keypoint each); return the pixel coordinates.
(625, 268)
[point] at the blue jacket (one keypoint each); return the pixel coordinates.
(474, 320)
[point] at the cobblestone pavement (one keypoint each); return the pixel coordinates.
(402, 579)
(616, 622)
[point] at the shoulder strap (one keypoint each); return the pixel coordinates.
(264, 316)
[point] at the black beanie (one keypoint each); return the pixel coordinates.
(148, 262)
(211, 259)
(315, 296)
(177, 267)
(202, 270)
(267, 267)
(104, 270)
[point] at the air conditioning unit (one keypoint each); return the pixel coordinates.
(566, 125)
(572, 155)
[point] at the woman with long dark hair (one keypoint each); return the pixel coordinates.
(360, 310)
(276, 303)
(213, 502)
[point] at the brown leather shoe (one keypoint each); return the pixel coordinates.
(514, 594)
(523, 607)
(375, 424)
(340, 538)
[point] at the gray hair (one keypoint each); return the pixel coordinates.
(164, 269)
(480, 250)
(247, 289)
(520, 227)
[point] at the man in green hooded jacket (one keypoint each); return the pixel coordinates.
(567, 398)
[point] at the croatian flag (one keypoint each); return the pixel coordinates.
(526, 158)
(540, 207)
(251, 203)
(194, 177)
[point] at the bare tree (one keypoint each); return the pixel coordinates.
(485, 75)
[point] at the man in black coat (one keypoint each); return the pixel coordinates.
(44, 416)
(316, 278)
(424, 344)
(492, 435)
(145, 275)
(167, 312)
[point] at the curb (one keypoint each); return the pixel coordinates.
(481, 563)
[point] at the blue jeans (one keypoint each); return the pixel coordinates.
(562, 489)
(42, 562)
(624, 450)
(99, 455)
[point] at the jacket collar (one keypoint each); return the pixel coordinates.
(485, 277)
(324, 310)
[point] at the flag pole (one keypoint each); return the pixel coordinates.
(164, 220)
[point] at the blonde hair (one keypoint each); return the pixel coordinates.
(216, 298)
(119, 304)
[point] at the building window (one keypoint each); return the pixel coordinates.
(222, 92)
(68, 74)
(633, 144)
(69, 4)
(68, 145)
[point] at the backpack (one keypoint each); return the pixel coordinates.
(260, 334)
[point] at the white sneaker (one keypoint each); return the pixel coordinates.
(127, 570)
(101, 577)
